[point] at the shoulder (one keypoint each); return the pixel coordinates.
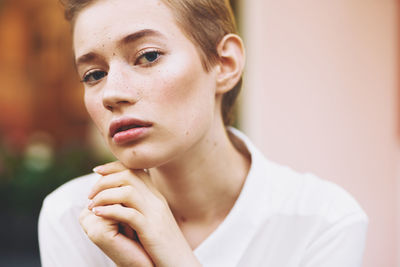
(290, 193)
(315, 196)
(69, 198)
(304, 195)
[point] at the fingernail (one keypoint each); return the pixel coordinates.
(96, 169)
(95, 210)
(90, 204)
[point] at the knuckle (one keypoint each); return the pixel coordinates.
(128, 191)
(117, 163)
(96, 188)
(133, 216)
(83, 215)
(110, 164)
(111, 208)
(124, 180)
(101, 197)
(94, 234)
(138, 219)
(127, 173)
(97, 199)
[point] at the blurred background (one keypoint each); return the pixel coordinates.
(45, 134)
(321, 95)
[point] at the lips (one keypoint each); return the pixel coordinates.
(127, 129)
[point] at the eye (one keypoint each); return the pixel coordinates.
(148, 57)
(93, 77)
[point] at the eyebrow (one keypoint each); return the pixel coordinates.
(138, 35)
(126, 40)
(86, 58)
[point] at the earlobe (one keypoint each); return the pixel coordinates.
(231, 62)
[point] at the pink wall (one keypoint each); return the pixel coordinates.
(321, 95)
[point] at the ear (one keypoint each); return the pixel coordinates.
(231, 62)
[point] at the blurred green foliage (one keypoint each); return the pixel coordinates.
(24, 184)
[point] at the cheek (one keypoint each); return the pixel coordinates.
(184, 100)
(184, 87)
(95, 110)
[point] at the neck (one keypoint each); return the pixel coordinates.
(203, 184)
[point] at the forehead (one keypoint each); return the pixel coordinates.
(106, 21)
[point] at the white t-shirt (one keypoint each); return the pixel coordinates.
(281, 219)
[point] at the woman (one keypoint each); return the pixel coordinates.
(160, 79)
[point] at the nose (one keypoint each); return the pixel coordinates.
(119, 89)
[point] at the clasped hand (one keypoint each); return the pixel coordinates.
(131, 222)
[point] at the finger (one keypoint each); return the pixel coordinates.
(113, 167)
(126, 252)
(106, 182)
(109, 168)
(97, 228)
(140, 176)
(117, 212)
(127, 177)
(125, 195)
(104, 233)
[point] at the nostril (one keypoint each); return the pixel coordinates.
(123, 102)
(114, 103)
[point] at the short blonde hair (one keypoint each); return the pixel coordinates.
(204, 22)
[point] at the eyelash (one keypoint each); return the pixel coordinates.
(90, 74)
(141, 55)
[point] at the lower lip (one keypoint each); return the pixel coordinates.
(130, 135)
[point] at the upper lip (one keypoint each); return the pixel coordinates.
(118, 125)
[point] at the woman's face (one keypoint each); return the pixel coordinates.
(145, 86)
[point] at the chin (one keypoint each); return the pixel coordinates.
(134, 159)
(138, 164)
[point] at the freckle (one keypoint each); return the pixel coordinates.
(215, 143)
(187, 133)
(113, 54)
